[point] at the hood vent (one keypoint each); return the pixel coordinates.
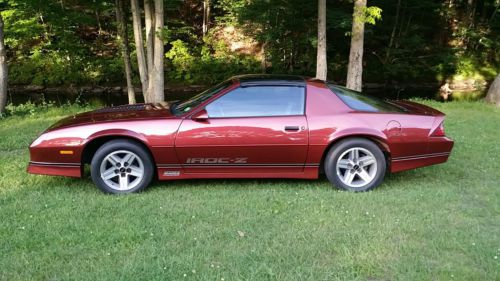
(122, 108)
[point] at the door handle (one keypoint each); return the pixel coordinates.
(292, 128)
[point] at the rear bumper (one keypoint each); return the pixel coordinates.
(439, 148)
(55, 169)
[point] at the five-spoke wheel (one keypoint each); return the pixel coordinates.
(122, 170)
(121, 166)
(355, 165)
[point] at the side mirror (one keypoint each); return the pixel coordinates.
(200, 116)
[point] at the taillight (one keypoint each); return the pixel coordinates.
(439, 131)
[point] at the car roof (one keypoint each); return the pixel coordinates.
(270, 79)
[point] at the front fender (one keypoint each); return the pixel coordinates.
(115, 133)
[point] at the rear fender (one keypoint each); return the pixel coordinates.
(358, 132)
(373, 135)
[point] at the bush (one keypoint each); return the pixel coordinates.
(207, 64)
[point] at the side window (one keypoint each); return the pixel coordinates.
(256, 101)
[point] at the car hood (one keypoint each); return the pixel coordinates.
(116, 113)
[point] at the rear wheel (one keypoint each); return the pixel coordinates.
(355, 165)
(121, 166)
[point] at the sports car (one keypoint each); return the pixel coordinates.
(250, 126)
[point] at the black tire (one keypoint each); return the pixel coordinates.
(340, 149)
(117, 146)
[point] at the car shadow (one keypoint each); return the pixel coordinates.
(249, 184)
(391, 182)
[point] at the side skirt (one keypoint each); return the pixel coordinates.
(176, 172)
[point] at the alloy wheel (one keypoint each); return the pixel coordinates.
(356, 167)
(122, 170)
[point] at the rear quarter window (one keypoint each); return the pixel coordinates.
(363, 102)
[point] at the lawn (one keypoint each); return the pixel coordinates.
(435, 223)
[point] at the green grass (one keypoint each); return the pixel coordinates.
(435, 223)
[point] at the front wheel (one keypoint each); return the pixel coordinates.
(355, 165)
(121, 166)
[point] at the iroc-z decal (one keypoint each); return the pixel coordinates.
(223, 160)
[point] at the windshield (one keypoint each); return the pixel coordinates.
(186, 106)
(363, 102)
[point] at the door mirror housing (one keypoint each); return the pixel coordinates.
(200, 116)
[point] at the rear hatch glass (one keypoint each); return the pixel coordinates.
(364, 102)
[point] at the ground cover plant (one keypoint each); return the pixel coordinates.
(435, 223)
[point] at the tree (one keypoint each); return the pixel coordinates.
(321, 62)
(360, 15)
(493, 95)
(156, 75)
(150, 63)
(355, 67)
(393, 32)
(139, 46)
(150, 33)
(206, 16)
(3, 69)
(122, 39)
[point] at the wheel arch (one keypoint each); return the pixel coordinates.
(95, 143)
(379, 141)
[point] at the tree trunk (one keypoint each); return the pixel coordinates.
(122, 39)
(263, 61)
(139, 45)
(3, 70)
(355, 67)
(150, 33)
(158, 94)
(206, 16)
(98, 19)
(321, 63)
(393, 33)
(493, 95)
(495, 11)
(149, 18)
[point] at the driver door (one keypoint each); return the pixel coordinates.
(254, 129)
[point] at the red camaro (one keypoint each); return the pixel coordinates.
(253, 126)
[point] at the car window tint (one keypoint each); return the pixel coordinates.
(363, 102)
(193, 102)
(259, 101)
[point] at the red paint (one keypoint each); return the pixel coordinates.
(269, 149)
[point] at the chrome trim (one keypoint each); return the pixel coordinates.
(421, 156)
(219, 165)
(55, 164)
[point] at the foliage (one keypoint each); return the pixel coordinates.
(33, 110)
(57, 42)
(434, 223)
(286, 28)
(372, 14)
(434, 41)
(182, 60)
(209, 63)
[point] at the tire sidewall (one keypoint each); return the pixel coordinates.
(116, 145)
(337, 150)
